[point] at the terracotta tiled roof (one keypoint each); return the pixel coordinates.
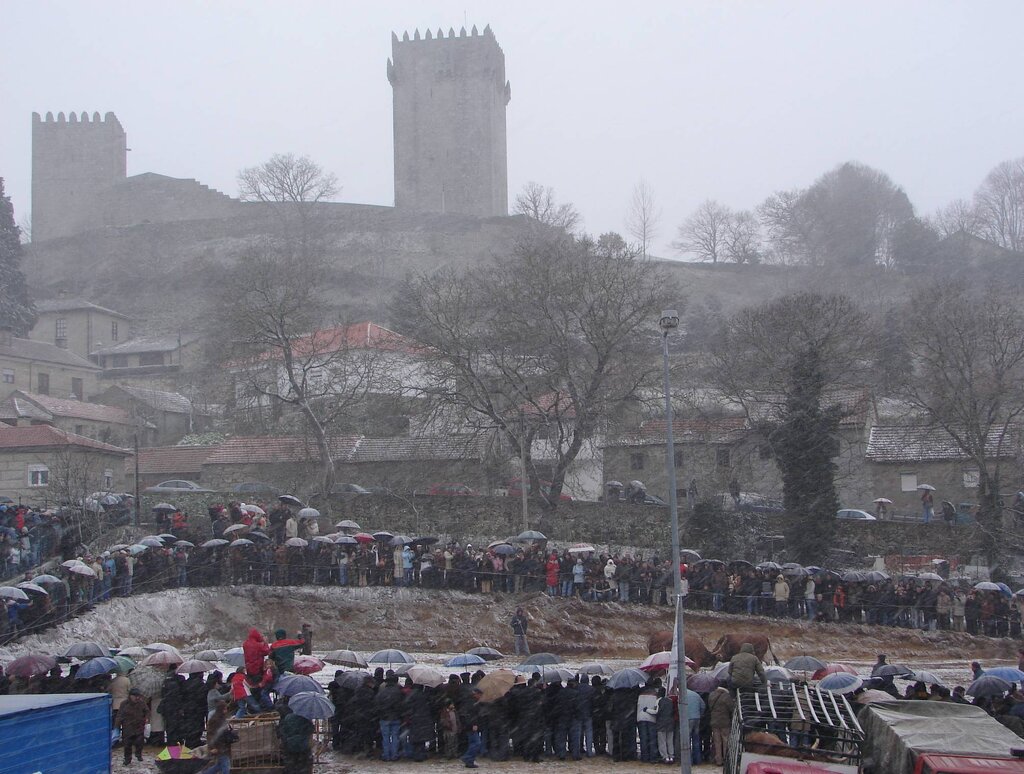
(268, 449)
(713, 430)
(452, 447)
(32, 404)
(854, 404)
(45, 436)
(173, 459)
(916, 443)
(322, 343)
(173, 402)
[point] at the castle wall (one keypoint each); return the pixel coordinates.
(449, 96)
(74, 159)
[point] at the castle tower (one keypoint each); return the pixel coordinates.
(73, 160)
(450, 95)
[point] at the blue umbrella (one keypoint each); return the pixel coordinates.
(464, 659)
(391, 656)
(1005, 589)
(289, 685)
(1010, 674)
(840, 682)
(804, 664)
(987, 685)
(311, 705)
(627, 678)
(102, 665)
(235, 657)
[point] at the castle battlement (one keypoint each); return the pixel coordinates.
(428, 35)
(74, 118)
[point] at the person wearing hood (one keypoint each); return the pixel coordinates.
(744, 666)
(282, 651)
(519, 624)
(255, 649)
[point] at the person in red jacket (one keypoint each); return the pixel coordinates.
(241, 694)
(255, 649)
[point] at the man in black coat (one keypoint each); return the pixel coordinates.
(420, 716)
(586, 716)
(623, 719)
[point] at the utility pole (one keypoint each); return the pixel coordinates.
(524, 478)
(135, 514)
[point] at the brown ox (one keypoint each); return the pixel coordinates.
(695, 649)
(729, 645)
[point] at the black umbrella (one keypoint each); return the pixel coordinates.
(892, 670)
(383, 535)
(487, 654)
(290, 500)
(530, 534)
(353, 679)
(399, 540)
(540, 659)
(424, 541)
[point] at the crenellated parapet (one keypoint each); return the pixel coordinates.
(78, 118)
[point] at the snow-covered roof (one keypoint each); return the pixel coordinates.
(917, 443)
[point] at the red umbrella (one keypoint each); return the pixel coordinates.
(833, 668)
(307, 665)
(31, 665)
(363, 537)
(659, 661)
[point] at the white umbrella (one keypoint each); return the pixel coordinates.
(929, 487)
(242, 542)
(882, 500)
(296, 542)
(255, 510)
(82, 569)
(156, 647)
(425, 675)
(236, 528)
(12, 592)
(27, 586)
(309, 513)
(70, 563)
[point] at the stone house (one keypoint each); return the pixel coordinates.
(902, 457)
(162, 463)
(172, 414)
(155, 362)
(288, 463)
(79, 326)
(43, 466)
(108, 424)
(44, 369)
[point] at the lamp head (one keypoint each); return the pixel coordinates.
(669, 320)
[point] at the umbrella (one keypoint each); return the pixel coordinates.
(661, 660)
(1010, 674)
(184, 544)
(383, 535)
(871, 696)
(175, 752)
(425, 675)
(347, 524)
(13, 592)
(247, 542)
(986, 686)
(165, 536)
(363, 537)
(31, 665)
(234, 657)
(854, 576)
(391, 656)
(288, 499)
(496, 684)
(891, 670)
(166, 507)
(840, 682)
(627, 678)
(149, 680)
(322, 539)
(162, 658)
(86, 650)
(259, 535)
(152, 542)
(138, 548)
(530, 534)
(426, 540)
(289, 685)
(876, 576)
(497, 543)
(930, 576)
(555, 674)
(796, 572)
(928, 678)
(210, 655)
(309, 513)
(1005, 589)
(72, 562)
(134, 652)
(487, 654)
(296, 542)
(929, 487)
(103, 665)
(504, 550)
(346, 540)
(400, 540)
(770, 566)
(192, 666)
(464, 660)
(595, 668)
(255, 510)
(582, 548)
(703, 682)
(347, 658)
(777, 674)
(986, 586)
(542, 659)
(352, 679)
(311, 705)
(29, 586)
(689, 555)
(833, 668)
(46, 579)
(124, 664)
(215, 542)
(804, 664)
(882, 500)
(82, 569)
(236, 528)
(307, 665)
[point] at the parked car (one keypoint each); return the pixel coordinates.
(176, 486)
(344, 490)
(855, 514)
(449, 490)
(257, 487)
(515, 489)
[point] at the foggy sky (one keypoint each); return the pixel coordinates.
(723, 100)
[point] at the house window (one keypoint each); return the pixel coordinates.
(972, 479)
(77, 388)
(113, 331)
(62, 328)
(38, 475)
(151, 358)
(908, 482)
(119, 361)
(43, 384)
(678, 458)
(8, 376)
(636, 461)
(722, 458)
(108, 479)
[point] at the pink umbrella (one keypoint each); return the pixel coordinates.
(162, 658)
(833, 668)
(661, 661)
(30, 666)
(307, 665)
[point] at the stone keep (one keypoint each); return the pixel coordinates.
(74, 159)
(450, 95)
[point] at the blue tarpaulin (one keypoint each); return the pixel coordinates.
(55, 734)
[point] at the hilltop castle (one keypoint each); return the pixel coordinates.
(450, 95)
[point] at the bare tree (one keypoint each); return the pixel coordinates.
(703, 233)
(741, 238)
(643, 216)
(1000, 205)
(538, 202)
(957, 217)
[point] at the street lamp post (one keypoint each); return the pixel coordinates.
(668, 322)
